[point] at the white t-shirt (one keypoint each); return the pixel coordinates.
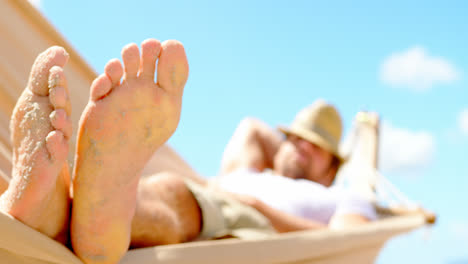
(299, 197)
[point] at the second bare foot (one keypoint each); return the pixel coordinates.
(121, 127)
(40, 128)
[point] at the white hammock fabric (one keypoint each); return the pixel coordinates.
(23, 245)
(30, 35)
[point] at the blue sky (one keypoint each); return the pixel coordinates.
(268, 59)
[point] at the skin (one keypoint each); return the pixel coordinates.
(122, 126)
(39, 192)
(298, 158)
(167, 212)
(255, 145)
(127, 119)
(40, 128)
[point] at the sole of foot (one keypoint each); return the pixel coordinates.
(128, 117)
(40, 128)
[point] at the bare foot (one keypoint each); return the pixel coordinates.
(121, 127)
(40, 128)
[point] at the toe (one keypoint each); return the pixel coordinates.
(59, 98)
(61, 121)
(38, 80)
(56, 77)
(114, 71)
(172, 66)
(100, 87)
(131, 60)
(57, 146)
(150, 50)
(58, 93)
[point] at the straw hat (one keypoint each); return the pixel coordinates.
(319, 123)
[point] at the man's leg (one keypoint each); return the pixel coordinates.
(38, 194)
(121, 127)
(166, 212)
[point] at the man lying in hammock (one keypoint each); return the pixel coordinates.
(128, 117)
(286, 177)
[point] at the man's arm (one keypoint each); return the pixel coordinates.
(285, 222)
(253, 145)
(347, 220)
(353, 210)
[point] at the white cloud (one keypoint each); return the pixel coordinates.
(404, 150)
(36, 3)
(463, 121)
(416, 70)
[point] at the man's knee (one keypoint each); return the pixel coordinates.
(172, 190)
(161, 184)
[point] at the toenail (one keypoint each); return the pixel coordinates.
(53, 81)
(53, 115)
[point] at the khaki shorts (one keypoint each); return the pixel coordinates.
(224, 216)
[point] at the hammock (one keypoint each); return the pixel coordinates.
(32, 33)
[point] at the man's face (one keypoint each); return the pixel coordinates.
(298, 158)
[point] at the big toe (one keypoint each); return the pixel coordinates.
(172, 66)
(38, 79)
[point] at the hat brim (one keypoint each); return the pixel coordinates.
(313, 138)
